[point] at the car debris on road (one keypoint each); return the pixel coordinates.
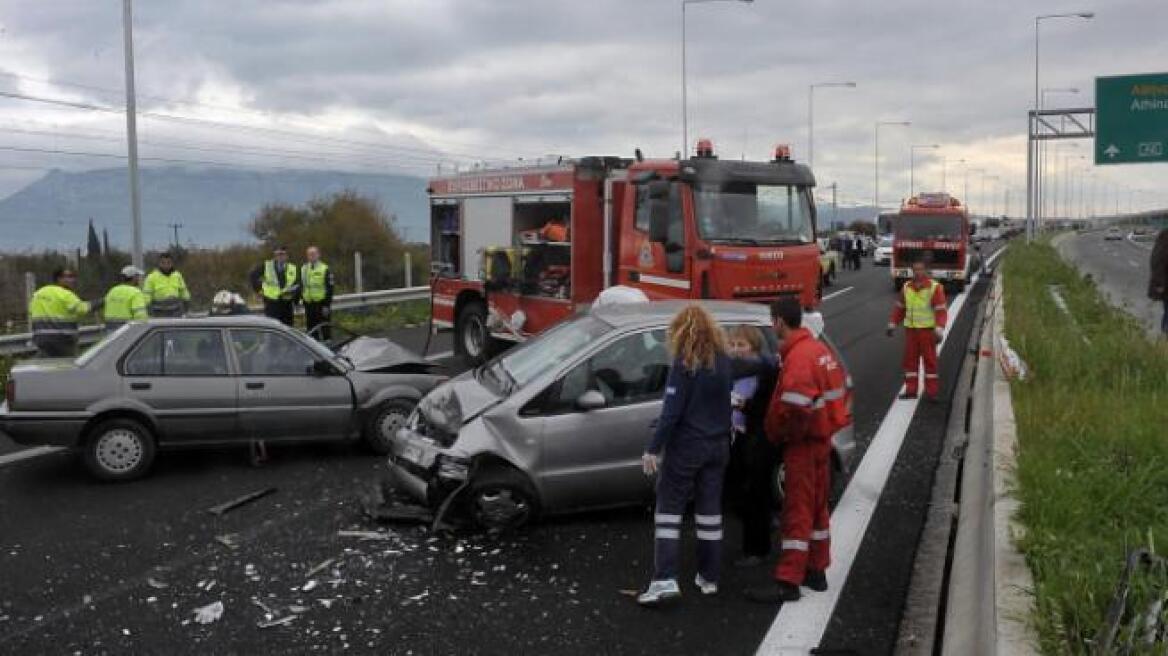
(228, 506)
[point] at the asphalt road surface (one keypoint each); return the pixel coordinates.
(1120, 268)
(94, 568)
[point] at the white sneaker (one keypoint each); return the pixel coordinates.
(658, 592)
(707, 587)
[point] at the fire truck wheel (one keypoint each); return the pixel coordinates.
(472, 338)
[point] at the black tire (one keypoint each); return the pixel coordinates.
(384, 422)
(119, 449)
(500, 498)
(471, 337)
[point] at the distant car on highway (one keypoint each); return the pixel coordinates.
(883, 253)
(211, 382)
(557, 424)
(1113, 234)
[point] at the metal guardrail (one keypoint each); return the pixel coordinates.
(21, 343)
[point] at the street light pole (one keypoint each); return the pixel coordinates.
(945, 172)
(876, 160)
(132, 135)
(684, 83)
(1033, 184)
(912, 154)
(981, 198)
(811, 115)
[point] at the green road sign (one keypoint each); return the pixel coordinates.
(1131, 119)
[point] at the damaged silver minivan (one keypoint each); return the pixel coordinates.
(557, 424)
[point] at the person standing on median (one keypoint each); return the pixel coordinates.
(921, 308)
(317, 294)
(808, 407)
(689, 451)
(125, 301)
(55, 313)
(166, 290)
(276, 280)
(1158, 281)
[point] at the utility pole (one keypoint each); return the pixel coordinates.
(132, 133)
(175, 227)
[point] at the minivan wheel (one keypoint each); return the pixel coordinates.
(119, 450)
(500, 499)
(384, 424)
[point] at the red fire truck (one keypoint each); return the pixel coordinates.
(695, 228)
(933, 228)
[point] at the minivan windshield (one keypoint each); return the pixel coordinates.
(744, 212)
(527, 362)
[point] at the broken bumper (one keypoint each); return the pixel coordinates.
(424, 470)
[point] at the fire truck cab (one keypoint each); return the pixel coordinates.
(932, 228)
(695, 228)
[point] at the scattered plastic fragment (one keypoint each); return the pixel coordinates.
(156, 584)
(267, 624)
(364, 535)
(298, 609)
(310, 586)
(319, 568)
(630, 593)
(228, 506)
(209, 613)
(1011, 362)
(229, 540)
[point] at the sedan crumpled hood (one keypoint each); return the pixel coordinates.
(381, 355)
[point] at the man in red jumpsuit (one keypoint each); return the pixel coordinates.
(922, 310)
(809, 405)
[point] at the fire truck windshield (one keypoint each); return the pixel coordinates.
(744, 212)
(924, 226)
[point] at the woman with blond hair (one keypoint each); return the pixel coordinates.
(689, 450)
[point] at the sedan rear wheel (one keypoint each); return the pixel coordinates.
(119, 450)
(390, 417)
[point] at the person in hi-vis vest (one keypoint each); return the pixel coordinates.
(316, 292)
(922, 310)
(277, 281)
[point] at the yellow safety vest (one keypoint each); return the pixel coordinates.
(314, 279)
(165, 293)
(918, 306)
(272, 288)
(124, 303)
(55, 310)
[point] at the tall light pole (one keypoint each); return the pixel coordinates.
(876, 160)
(994, 193)
(1033, 184)
(912, 163)
(980, 199)
(1044, 160)
(132, 135)
(1065, 182)
(945, 172)
(811, 115)
(684, 84)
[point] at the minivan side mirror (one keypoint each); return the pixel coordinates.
(322, 368)
(591, 400)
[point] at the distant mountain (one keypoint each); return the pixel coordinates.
(214, 205)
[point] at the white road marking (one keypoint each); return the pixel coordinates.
(28, 453)
(838, 293)
(799, 627)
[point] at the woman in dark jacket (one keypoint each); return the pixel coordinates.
(689, 450)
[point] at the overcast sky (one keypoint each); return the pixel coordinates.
(391, 82)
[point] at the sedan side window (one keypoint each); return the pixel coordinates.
(267, 353)
(179, 353)
(631, 370)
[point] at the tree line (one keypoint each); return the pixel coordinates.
(340, 224)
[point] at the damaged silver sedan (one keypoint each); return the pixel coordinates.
(557, 424)
(170, 383)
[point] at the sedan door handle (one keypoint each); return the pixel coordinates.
(254, 385)
(139, 386)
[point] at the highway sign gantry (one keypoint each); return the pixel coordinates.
(1131, 121)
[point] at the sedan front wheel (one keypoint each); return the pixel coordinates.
(119, 450)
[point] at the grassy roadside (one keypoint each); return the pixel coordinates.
(379, 319)
(1093, 445)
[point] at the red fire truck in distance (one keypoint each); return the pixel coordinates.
(933, 228)
(695, 228)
